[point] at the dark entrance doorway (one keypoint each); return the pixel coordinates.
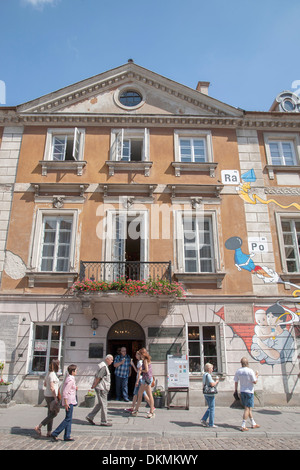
(131, 335)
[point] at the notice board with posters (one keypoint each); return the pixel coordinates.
(178, 371)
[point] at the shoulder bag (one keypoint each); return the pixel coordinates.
(207, 389)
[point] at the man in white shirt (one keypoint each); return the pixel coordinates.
(247, 380)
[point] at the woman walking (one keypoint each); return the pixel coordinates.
(52, 397)
(209, 397)
(69, 401)
(146, 381)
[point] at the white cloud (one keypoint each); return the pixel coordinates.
(39, 3)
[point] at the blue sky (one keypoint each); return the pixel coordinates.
(247, 49)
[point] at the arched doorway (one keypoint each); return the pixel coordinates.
(126, 333)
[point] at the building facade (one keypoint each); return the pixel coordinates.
(129, 176)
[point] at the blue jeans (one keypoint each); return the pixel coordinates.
(210, 412)
(121, 387)
(65, 425)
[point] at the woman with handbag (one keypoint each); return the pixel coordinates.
(146, 382)
(52, 397)
(209, 391)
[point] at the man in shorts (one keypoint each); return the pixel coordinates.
(247, 380)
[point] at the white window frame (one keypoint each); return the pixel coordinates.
(78, 135)
(217, 327)
(56, 241)
(294, 139)
(108, 254)
(208, 166)
(37, 237)
(193, 135)
(117, 138)
(179, 237)
(77, 164)
(31, 349)
(291, 217)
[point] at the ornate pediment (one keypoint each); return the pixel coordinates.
(100, 95)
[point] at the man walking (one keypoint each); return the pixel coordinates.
(122, 364)
(101, 385)
(247, 380)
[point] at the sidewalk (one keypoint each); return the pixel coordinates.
(274, 422)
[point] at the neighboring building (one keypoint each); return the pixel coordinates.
(131, 174)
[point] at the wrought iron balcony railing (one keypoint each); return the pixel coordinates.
(136, 270)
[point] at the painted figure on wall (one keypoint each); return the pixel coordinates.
(272, 342)
(244, 261)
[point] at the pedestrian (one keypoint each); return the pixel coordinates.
(101, 385)
(247, 380)
(138, 380)
(122, 365)
(147, 377)
(69, 400)
(52, 397)
(209, 391)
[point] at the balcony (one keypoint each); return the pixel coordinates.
(135, 270)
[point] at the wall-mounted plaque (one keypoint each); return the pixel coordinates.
(240, 313)
(160, 351)
(165, 332)
(95, 350)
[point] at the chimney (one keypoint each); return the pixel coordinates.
(203, 87)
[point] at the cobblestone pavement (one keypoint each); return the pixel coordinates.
(174, 444)
(170, 431)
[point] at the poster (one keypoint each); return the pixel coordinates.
(178, 371)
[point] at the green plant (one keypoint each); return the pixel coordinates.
(155, 287)
(157, 393)
(90, 393)
(3, 382)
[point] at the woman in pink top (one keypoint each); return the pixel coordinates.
(68, 400)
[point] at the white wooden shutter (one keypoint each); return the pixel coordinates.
(145, 156)
(119, 145)
(76, 144)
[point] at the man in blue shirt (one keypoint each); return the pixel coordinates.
(122, 372)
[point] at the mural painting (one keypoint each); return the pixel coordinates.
(269, 340)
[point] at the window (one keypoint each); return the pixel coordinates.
(129, 151)
(56, 241)
(47, 344)
(130, 145)
(282, 153)
(203, 347)
(64, 150)
(198, 244)
(64, 144)
(192, 150)
(291, 241)
(130, 98)
(126, 245)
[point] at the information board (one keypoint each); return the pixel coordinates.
(178, 371)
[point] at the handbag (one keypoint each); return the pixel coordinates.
(208, 390)
(153, 381)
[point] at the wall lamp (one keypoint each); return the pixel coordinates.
(94, 323)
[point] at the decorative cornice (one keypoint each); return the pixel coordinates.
(264, 122)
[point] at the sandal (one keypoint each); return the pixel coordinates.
(38, 430)
(150, 415)
(134, 413)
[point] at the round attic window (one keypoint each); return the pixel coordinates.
(130, 98)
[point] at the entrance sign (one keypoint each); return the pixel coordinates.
(178, 371)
